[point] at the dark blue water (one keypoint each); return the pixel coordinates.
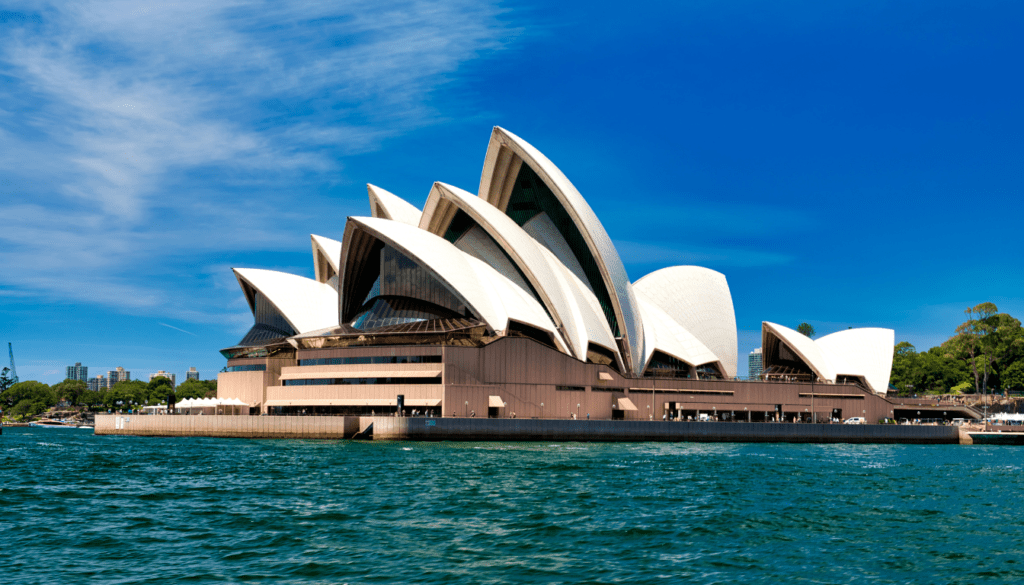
(76, 508)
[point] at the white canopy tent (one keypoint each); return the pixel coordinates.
(212, 406)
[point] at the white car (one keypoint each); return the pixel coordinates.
(855, 420)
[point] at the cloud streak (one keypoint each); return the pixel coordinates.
(138, 145)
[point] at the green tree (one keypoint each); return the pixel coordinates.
(968, 339)
(158, 390)
(805, 328)
(904, 362)
(26, 399)
(70, 390)
(127, 394)
(6, 381)
(1013, 376)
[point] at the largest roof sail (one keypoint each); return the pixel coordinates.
(520, 181)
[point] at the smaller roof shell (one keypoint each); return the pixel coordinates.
(306, 304)
(387, 205)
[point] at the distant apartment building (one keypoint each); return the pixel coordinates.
(755, 363)
(192, 374)
(98, 383)
(78, 372)
(118, 375)
(164, 374)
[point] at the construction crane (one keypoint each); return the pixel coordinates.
(14, 373)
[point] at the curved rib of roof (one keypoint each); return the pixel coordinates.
(524, 251)
(586, 308)
(505, 153)
(519, 305)
(699, 300)
(306, 304)
(802, 346)
(387, 205)
(472, 281)
(662, 333)
(326, 254)
(863, 352)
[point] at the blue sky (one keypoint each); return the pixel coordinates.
(843, 163)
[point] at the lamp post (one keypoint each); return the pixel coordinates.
(542, 410)
(577, 411)
(466, 414)
(649, 415)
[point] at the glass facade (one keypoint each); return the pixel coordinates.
(530, 197)
(405, 292)
(246, 368)
(377, 359)
(359, 381)
(665, 366)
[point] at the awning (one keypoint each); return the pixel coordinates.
(354, 402)
(626, 404)
(495, 402)
(320, 375)
(604, 376)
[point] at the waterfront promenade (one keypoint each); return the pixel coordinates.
(483, 429)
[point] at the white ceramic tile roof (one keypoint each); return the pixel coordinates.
(616, 281)
(699, 300)
(803, 346)
(865, 351)
(442, 259)
(542, 229)
(662, 333)
(306, 304)
(387, 205)
(587, 307)
(518, 304)
(478, 244)
(526, 253)
(328, 249)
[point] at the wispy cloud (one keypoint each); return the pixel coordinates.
(138, 143)
(177, 329)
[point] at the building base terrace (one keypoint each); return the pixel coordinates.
(516, 377)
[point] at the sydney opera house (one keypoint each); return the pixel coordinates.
(514, 302)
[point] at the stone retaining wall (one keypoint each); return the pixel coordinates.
(469, 429)
(255, 427)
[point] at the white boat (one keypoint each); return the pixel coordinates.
(51, 424)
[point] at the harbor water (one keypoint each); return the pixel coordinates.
(79, 508)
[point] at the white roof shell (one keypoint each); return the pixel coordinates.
(505, 153)
(528, 255)
(387, 205)
(864, 352)
(306, 304)
(699, 300)
(491, 296)
(662, 333)
(326, 253)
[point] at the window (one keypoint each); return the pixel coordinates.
(247, 368)
(377, 359)
(570, 388)
(359, 381)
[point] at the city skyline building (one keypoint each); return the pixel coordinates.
(164, 374)
(78, 372)
(98, 383)
(755, 364)
(192, 374)
(118, 375)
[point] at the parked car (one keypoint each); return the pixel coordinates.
(855, 420)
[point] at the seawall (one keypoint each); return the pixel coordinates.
(482, 429)
(470, 429)
(252, 427)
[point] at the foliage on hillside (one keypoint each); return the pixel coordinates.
(985, 353)
(29, 399)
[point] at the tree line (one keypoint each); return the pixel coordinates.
(28, 399)
(985, 354)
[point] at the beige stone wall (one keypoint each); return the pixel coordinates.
(245, 386)
(257, 427)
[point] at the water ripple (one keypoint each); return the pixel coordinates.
(84, 509)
